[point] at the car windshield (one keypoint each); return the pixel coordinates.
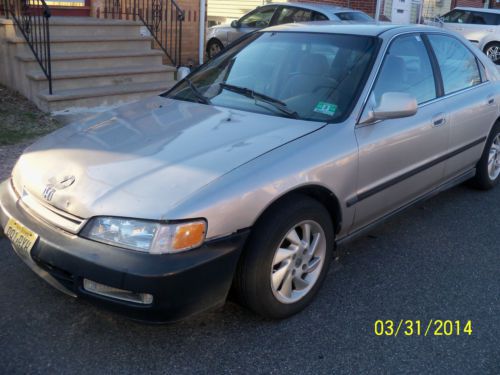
(309, 76)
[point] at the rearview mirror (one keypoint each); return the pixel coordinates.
(235, 24)
(392, 105)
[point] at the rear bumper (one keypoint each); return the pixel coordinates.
(181, 284)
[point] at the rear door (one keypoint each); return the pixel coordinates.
(479, 25)
(469, 98)
(397, 157)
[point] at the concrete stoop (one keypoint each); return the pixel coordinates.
(95, 62)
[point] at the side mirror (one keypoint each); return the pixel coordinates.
(235, 24)
(392, 105)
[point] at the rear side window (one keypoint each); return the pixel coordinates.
(407, 68)
(458, 65)
(484, 18)
(353, 16)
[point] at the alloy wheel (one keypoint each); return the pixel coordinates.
(493, 53)
(298, 261)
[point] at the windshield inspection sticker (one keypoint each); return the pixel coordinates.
(326, 108)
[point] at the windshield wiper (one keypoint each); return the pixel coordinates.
(276, 103)
(202, 98)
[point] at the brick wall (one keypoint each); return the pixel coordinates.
(190, 31)
(190, 26)
(467, 3)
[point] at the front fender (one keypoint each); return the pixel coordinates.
(327, 158)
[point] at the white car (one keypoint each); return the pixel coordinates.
(478, 25)
(220, 36)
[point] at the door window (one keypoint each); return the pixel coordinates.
(319, 17)
(292, 15)
(259, 18)
(458, 65)
(457, 16)
(407, 68)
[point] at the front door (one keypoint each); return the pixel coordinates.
(397, 158)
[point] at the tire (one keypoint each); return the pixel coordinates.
(214, 46)
(488, 167)
(261, 261)
(492, 50)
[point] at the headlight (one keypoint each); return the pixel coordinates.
(147, 236)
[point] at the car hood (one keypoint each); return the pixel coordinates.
(140, 160)
(219, 27)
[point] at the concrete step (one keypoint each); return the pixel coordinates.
(95, 27)
(85, 43)
(96, 59)
(100, 96)
(97, 77)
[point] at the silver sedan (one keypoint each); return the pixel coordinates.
(218, 37)
(249, 172)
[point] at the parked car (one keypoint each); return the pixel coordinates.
(219, 37)
(480, 26)
(248, 172)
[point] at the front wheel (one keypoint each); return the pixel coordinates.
(286, 258)
(492, 50)
(488, 168)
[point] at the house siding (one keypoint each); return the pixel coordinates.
(227, 10)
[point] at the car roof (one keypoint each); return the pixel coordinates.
(484, 10)
(340, 27)
(327, 9)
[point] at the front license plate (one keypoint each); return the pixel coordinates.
(21, 237)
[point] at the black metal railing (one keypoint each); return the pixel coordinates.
(32, 19)
(163, 18)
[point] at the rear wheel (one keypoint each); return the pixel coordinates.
(488, 168)
(286, 259)
(492, 50)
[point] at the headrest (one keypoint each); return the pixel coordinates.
(314, 64)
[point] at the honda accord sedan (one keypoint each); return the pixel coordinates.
(247, 174)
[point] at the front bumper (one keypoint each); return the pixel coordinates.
(181, 284)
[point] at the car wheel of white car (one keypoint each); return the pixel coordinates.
(488, 168)
(492, 50)
(214, 47)
(286, 258)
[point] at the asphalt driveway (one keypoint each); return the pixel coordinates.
(437, 261)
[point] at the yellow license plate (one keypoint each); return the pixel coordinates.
(21, 237)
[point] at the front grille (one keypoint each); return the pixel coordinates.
(50, 214)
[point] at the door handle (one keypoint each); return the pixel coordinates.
(491, 100)
(439, 120)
